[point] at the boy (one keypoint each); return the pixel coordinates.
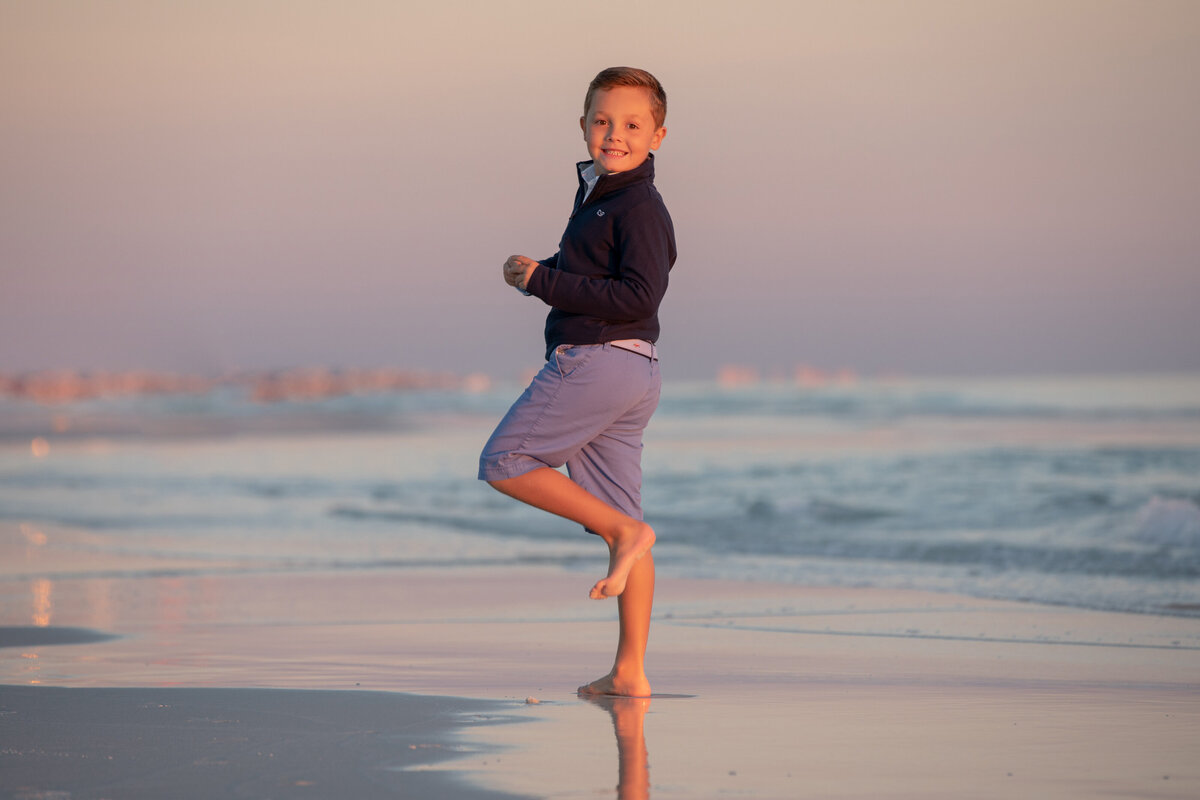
(590, 403)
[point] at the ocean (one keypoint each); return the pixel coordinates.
(1079, 491)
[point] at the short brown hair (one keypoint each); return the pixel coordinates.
(630, 76)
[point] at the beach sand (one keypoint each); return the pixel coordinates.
(214, 743)
(765, 691)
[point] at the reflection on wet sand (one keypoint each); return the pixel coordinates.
(633, 760)
(43, 603)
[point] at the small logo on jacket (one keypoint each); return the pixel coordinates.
(600, 212)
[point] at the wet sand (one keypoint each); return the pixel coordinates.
(765, 691)
(212, 743)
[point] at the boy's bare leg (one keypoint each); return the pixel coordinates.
(630, 569)
(628, 539)
(628, 674)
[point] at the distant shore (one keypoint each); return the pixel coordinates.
(62, 386)
(306, 383)
(45, 406)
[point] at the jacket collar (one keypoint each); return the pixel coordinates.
(614, 180)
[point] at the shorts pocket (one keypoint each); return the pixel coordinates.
(571, 358)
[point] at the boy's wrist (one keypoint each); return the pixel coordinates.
(522, 283)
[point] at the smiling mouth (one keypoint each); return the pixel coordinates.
(615, 153)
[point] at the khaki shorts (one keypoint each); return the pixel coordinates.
(587, 408)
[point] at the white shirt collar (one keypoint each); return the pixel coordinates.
(590, 177)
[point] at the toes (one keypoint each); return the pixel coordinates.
(598, 687)
(604, 590)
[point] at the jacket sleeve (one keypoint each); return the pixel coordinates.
(644, 244)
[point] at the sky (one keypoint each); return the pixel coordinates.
(919, 187)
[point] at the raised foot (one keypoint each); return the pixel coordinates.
(625, 552)
(612, 686)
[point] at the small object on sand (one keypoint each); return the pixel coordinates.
(531, 701)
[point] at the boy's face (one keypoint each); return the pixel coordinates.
(619, 129)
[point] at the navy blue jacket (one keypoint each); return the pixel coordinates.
(610, 272)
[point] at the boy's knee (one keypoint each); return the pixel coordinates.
(503, 485)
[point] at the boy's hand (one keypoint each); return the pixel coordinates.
(517, 270)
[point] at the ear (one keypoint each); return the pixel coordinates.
(583, 126)
(656, 140)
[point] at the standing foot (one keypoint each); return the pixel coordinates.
(624, 553)
(615, 686)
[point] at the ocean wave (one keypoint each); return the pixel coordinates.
(1167, 545)
(835, 512)
(517, 524)
(1171, 522)
(989, 553)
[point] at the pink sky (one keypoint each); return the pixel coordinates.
(923, 187)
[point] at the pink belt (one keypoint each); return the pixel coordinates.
(639, 346)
